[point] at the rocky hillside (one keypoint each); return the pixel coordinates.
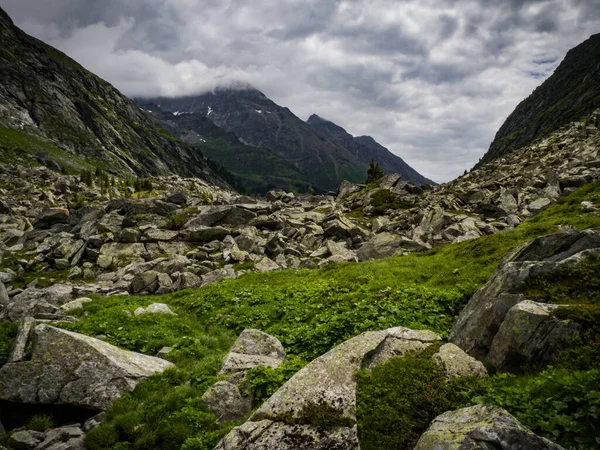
(55, 112)
(570, 94)
(258, 169)
(356, 346)
(258, 121)
(365, 148)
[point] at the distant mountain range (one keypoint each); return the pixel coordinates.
(257, 169)
(54, 112)
(303, 154)
(572, 92)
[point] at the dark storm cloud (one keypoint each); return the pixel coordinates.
(430, 79)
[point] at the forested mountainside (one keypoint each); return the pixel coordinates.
(258, 121)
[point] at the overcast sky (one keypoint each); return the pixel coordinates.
(432, 80)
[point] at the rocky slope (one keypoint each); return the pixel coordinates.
(258, 121)
(365, 148)
(55, 112)
(570, 94)
(185, 233)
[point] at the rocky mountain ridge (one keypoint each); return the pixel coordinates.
(365, 148)
(258, 169)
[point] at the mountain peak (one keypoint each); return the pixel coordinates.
(314, 118)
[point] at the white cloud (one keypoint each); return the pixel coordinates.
(432, 80)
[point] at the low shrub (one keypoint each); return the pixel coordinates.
(40, 423)
(265, 381)
(396, 402)
(176, 221)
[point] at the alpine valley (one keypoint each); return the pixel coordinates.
(212, 272)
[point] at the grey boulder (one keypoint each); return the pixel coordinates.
(227, 401)
(253, 348)
(480, 320)
(70, 368)
(530, 334)
(481, 427)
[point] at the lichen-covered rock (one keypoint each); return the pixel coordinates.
(33, 301)
(380, 246)
(23, 440)
(456, 363)
(481, 427)
(256, 342)
(50, 217)
(479, 322)
(70, 368)
(253, 348)
(398, 342)
(226, 273)
(267, 435)
(63, 438)
(145, 282)
(227, 402)
(266, 264)
(530, 334)
(4, 300)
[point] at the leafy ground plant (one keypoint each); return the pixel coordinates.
(559, 404)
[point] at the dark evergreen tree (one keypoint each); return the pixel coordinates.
(374, 173)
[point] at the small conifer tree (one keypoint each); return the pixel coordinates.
(375, 172)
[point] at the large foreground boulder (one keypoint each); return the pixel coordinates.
(73, 369)
(481, 319)
(481, 427)
(316, 408)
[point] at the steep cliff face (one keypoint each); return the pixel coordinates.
(78, 117)
(365, 148)
(572, 92)
(258, 121)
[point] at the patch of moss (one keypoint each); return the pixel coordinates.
(571, 284)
